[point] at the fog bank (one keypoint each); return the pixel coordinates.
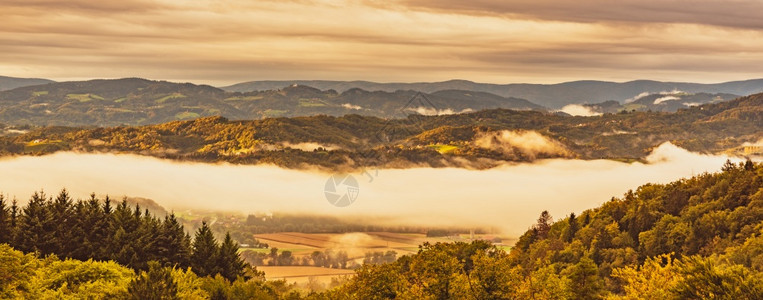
(509, 197)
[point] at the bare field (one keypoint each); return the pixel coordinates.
(288, 272)
(356, 244)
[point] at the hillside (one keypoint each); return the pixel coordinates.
(696, 238)
(481, 139)
(134, 101)
(664, 101)
(9, 83)
(549, 95)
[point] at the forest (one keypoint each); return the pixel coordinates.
(478, 140)
(695, 238)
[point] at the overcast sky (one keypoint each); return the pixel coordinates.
(227, 41)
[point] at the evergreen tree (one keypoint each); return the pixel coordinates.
(36, 227)
(81, 249)
(14, 214)
(230, 263)
(61, 213)
(156, 284)
(173, 245)
(5, 222)
(205, 252)
(572, 228)
(122, 231)
(145, 241)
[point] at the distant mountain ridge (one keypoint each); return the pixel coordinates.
(665, 102)
(9, 83)
(549, 95)
(136, 101)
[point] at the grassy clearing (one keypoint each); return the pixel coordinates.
(39, 93)
(443, 149)
(43, 145)
(303, 102)
(186, 115)
(274, 113)
(168, 97)
(243, 98)
(83, 97)
(119, 109)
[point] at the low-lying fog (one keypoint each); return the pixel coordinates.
(509, 197)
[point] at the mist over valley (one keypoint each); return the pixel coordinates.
(507, 197)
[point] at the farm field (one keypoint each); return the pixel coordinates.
(356, 245)
(302, 274)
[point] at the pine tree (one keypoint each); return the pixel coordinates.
(230, 263)
(61, 211)
(145, 240)
(122, 227)
(5, 222)
(572, 228)
(173, 244)
(82, 248)
(205, 252)
(36, 226)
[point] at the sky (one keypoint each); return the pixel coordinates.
(498, 41)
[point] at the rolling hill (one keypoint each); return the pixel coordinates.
(135, 101)
(664, 101)
(480, 139)
(549, 95)
(9, 83)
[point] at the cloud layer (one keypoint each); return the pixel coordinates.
(418, 40)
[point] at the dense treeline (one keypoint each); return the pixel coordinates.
(696, 238)
(354, 141)
(98, 230)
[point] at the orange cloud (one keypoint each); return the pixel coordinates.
(225, 42)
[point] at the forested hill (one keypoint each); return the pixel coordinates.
(549, 95)
(719, 216)
(696, 238)
(477, 140)
(135, 101)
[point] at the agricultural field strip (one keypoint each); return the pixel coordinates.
(323, 241)
(295, 240)
(283, 272)
(379, 241)
(309, 275)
